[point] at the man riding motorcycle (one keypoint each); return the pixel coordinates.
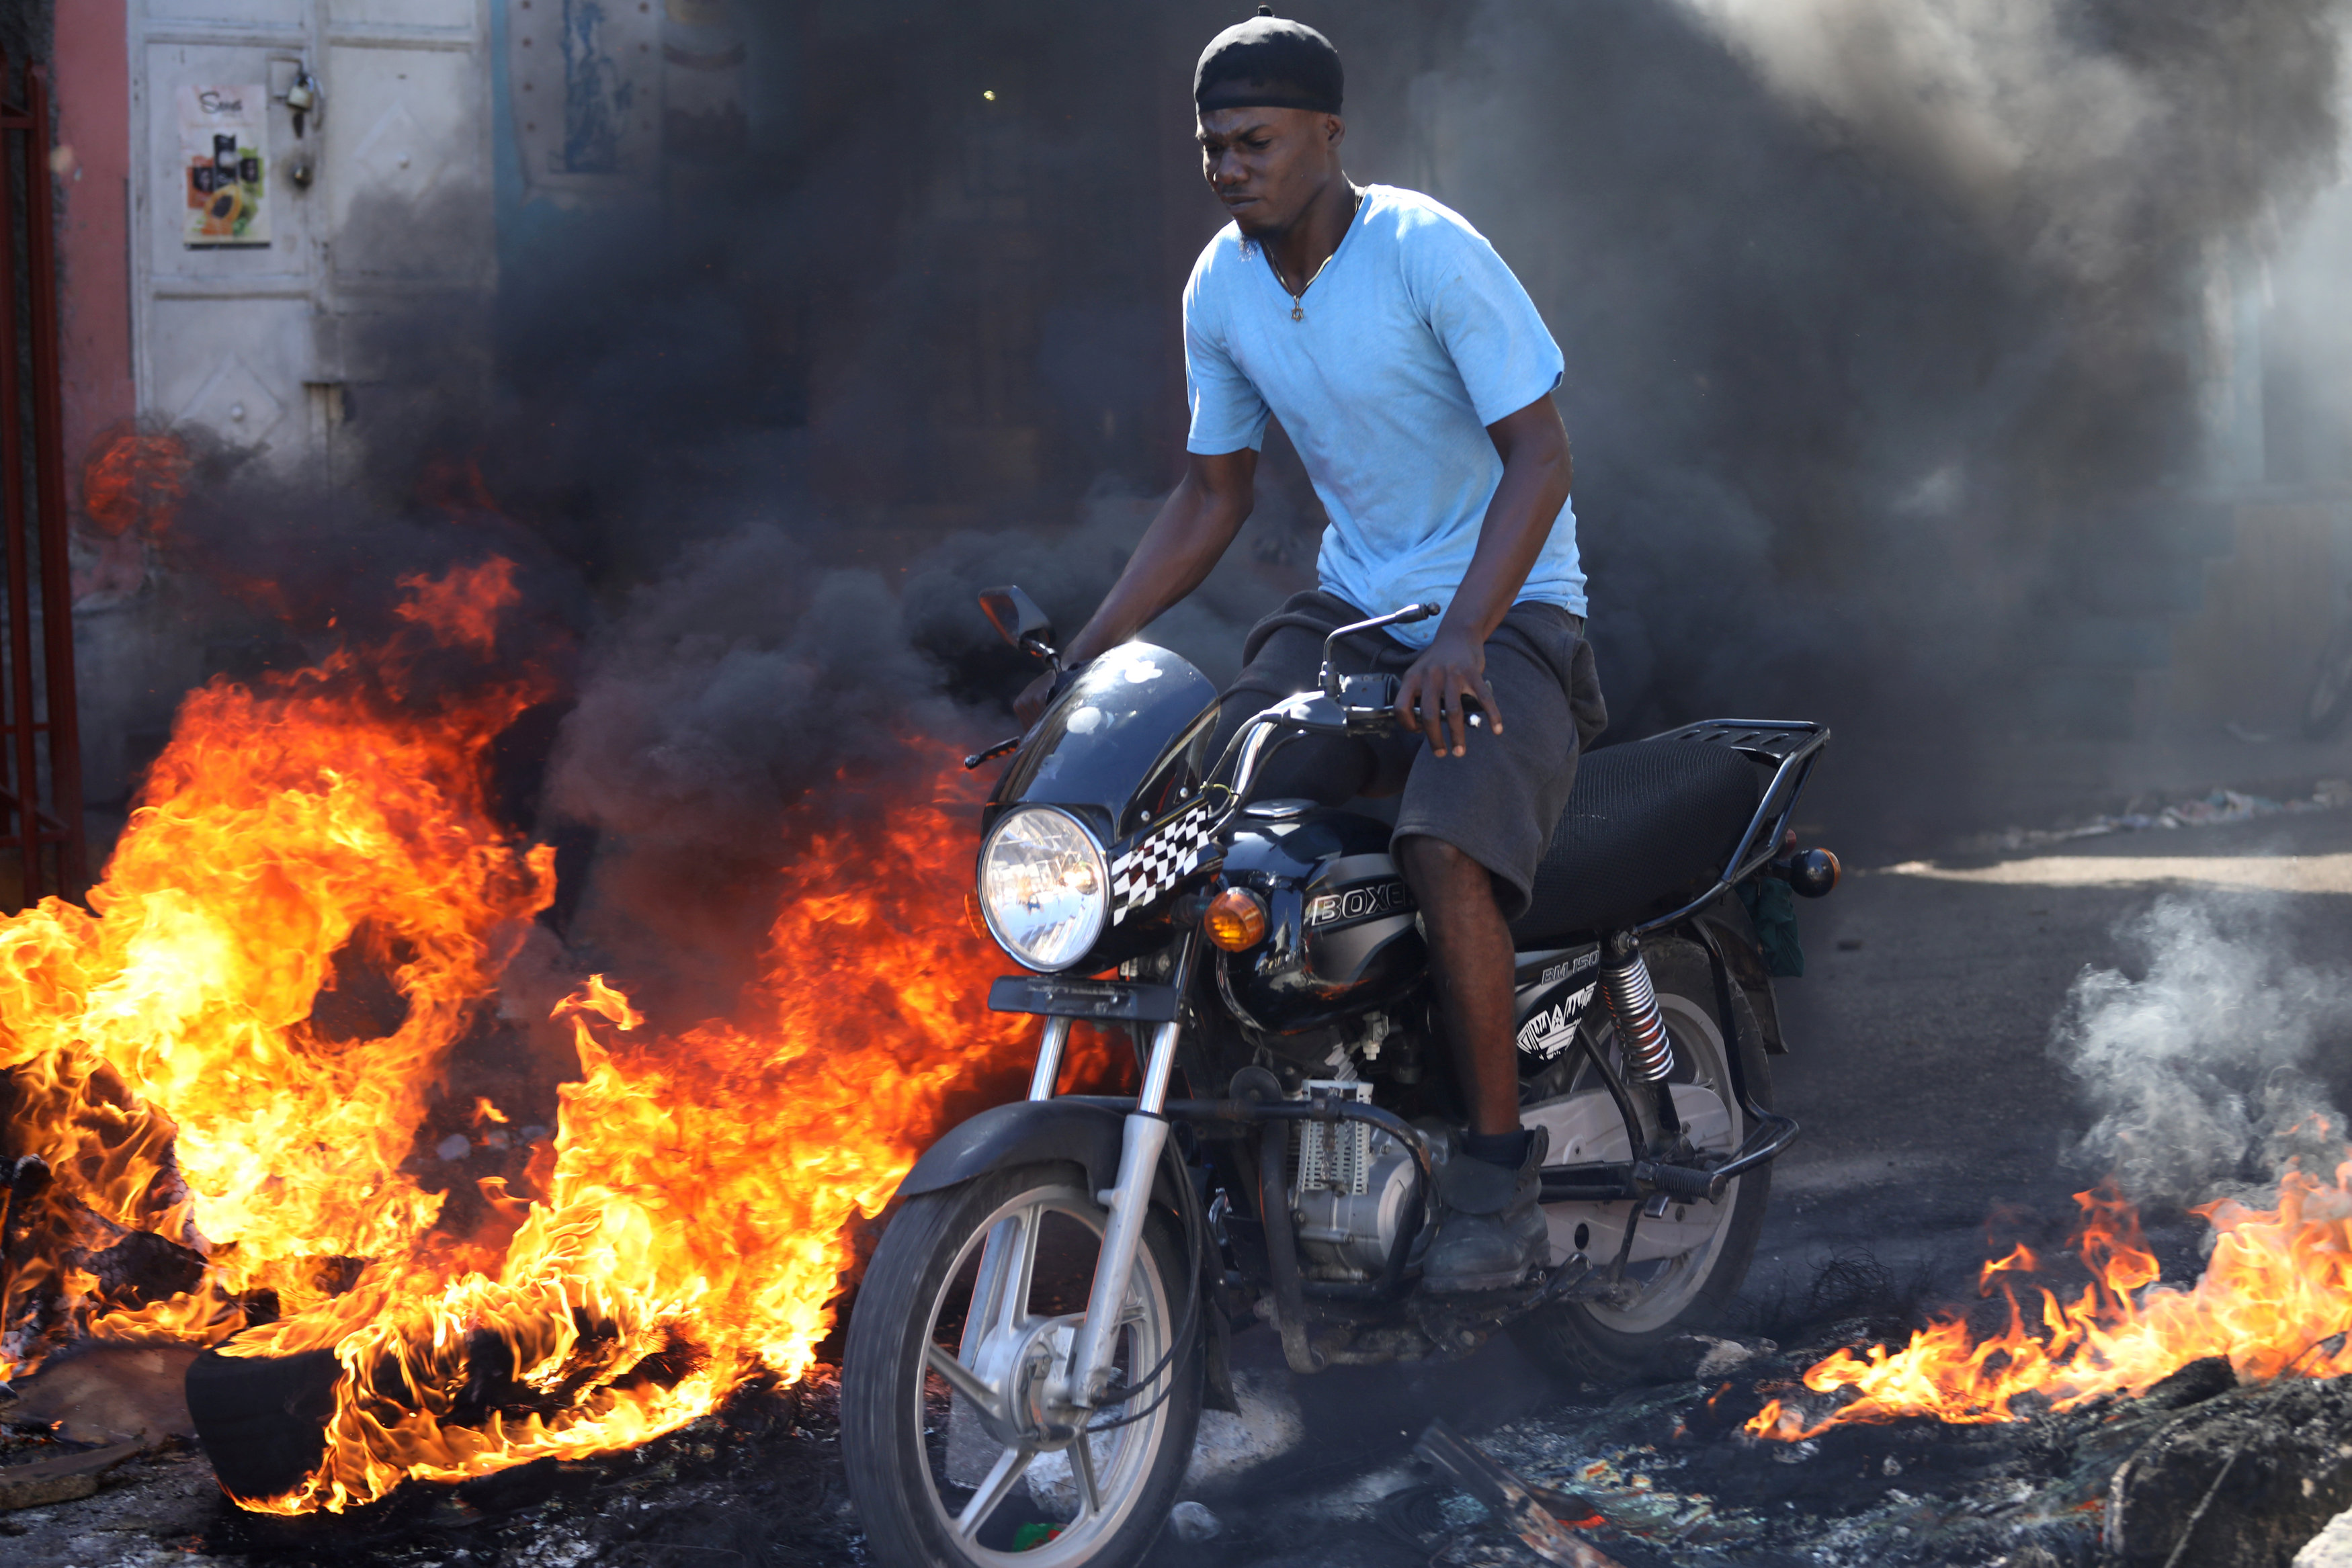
(1414, 375)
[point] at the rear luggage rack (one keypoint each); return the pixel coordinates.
(1790, 747)
(1766, 740)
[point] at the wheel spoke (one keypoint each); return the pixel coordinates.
(1081, 1467)
(988, 1286)
(1000, 1296)
(963, 1380)
(1008, 1468)
(1024, 1266)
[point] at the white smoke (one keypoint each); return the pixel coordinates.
(2068, 129)
(2196, 1072)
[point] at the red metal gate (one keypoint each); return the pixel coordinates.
(41, 841)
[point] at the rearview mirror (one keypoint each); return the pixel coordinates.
(1017, 618)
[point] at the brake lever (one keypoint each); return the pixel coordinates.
(1328, 678)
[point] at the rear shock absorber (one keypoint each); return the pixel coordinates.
(1634, 1008)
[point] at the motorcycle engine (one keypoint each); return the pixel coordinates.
(1349, 1186)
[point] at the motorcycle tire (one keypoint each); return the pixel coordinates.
(1578, 1340)
(898, 1418)
(2330, 696)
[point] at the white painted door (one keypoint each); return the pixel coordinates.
(383, 200)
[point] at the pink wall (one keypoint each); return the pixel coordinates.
(91, 75)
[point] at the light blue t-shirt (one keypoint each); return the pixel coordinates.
(1415, 338)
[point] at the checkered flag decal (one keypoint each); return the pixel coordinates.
(1152, 865)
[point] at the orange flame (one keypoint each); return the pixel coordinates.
(2275, 1298)
(185, 1063)
(461, 610)
(134, 482)
(696, 1226)
(171, 1059)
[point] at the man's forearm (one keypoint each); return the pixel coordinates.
(1177, 553)
(1518, 521)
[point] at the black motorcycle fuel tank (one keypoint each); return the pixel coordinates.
(1341, 936)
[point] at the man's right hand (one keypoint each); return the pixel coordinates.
(1031, 704)
(1195, 524)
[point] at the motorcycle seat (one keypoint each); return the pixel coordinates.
(1649, 826)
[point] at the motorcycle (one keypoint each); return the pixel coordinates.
(1050, 1308)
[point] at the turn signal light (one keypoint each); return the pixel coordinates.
(1813, 873)
(1235, 920)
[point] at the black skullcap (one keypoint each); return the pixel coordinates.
(1268, 62)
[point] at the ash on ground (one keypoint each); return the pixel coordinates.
(1658, 1475)
(2218, 806)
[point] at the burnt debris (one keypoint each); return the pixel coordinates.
(2198, 1471)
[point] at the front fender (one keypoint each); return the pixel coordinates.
(1024, 1133)
(1086, 1133)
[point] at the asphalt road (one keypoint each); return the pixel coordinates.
(1922, 1071)
(1921, 1064)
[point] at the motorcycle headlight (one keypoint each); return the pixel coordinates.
(1043, 887)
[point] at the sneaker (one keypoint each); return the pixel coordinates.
(1490, 1227)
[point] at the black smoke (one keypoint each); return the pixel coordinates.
(1872, 314)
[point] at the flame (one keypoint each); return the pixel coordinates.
(697, 1224)
(2275, 1298)
(167, 1057)
(135, 481)
(185, 1059)
(461, 610)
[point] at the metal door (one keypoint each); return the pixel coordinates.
(41, 832)
(381, 200)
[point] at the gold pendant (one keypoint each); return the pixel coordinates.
(1297, 311)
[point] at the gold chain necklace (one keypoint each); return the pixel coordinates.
(1299, 299)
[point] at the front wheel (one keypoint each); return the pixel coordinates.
(958, 1454)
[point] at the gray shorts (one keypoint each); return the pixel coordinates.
(1499, 801)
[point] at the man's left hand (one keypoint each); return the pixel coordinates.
(1429, 699)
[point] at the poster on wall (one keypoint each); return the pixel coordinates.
(224, 151)
(587, 85)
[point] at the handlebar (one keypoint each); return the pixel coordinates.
(1367, 703)
(1362, 706)
(1358, 705)
(1331, 682)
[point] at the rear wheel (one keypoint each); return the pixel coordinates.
(1615, 1341)
(956, 1454)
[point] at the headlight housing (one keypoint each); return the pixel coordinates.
(1044, 888)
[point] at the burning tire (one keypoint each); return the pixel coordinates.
(946, 1423)
(263, 1418)
(1613, 1343)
